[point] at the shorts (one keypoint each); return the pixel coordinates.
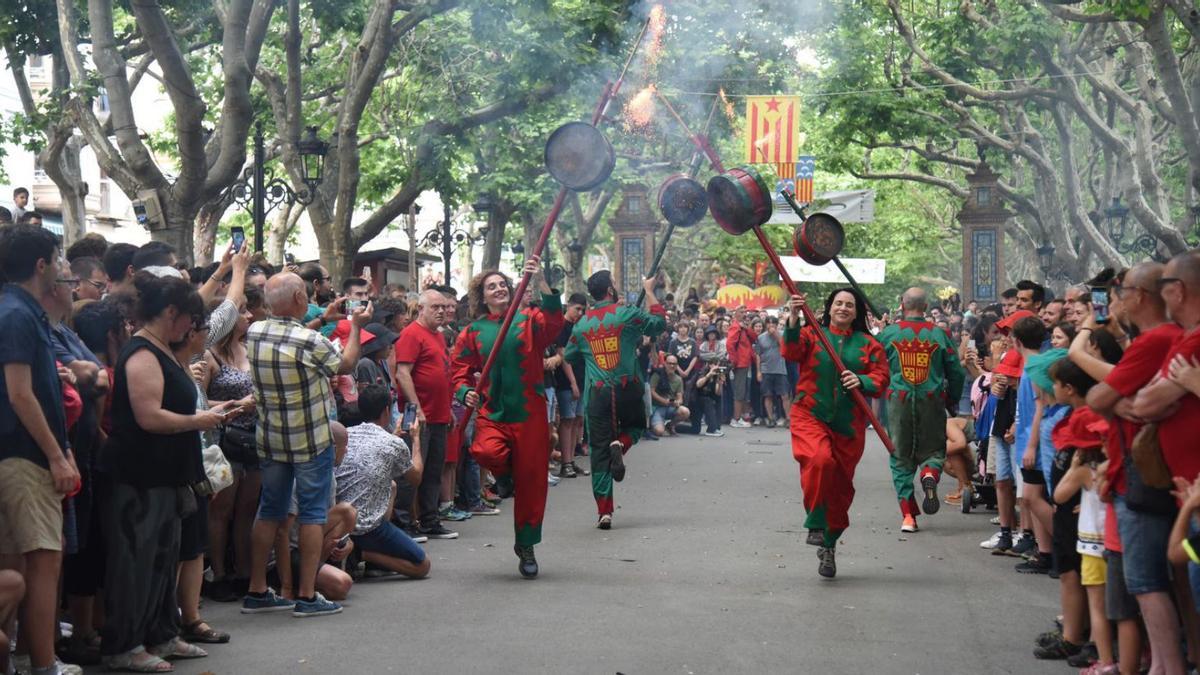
(1093, 571)
(31, 515)
(1033, 477)
(1008, 465)
(389, 540)
(1066, 538)
(551, 404)
(741, 384)
(1119, 604)
(1144, 538)
(663, 414)
(314, 487)
(774, 384)
(193, 532)
(568, 405)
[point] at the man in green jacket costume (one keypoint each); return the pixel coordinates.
(927, 381)
(606, 339)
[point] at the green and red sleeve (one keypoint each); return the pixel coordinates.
(466, 361)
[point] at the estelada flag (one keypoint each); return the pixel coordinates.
(772, 129)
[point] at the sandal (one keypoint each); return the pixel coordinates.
(954, 499)
(137, 660)
(176, 648)
(208, 636)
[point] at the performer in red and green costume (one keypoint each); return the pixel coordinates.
(828, 431)
(606, 339)
(926, 382)
(512, 435)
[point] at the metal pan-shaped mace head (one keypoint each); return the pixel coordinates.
(682, 200)
(579, 157)
(739, 200)
(819, 239)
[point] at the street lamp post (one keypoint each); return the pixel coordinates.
(259, 192)
(1117, 217)
(447, 238)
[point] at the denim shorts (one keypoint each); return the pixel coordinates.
(1008, 463)
(551, 404)
(568, 406)
(1144, 538)
(314, 489)
(662, 414)
(389, 540)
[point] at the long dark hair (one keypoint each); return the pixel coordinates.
(859, 324)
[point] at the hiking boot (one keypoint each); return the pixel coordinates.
(1023, 544)
(528, 566)
(931, 504)
(605, 522)
(504, 486)
(1057, 650)
(568, 470)
(827, 567)
(1085, 658)
(616, 461)
(909, 524)
(1048, 638)
(816, 537)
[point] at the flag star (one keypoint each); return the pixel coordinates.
(773, 104)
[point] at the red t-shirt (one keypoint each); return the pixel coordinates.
(1112, 539)
(1177, 433)
(740, 345)
(426, 350)
(1140, 363)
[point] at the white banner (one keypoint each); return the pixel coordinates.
(850, 206)
(865, 270)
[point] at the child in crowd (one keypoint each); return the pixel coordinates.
(1080, 435)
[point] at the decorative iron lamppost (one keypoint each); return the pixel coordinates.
(259, 192)
(1117, 217)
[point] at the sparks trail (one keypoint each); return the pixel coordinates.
(656, 25)
(729, 112)
(639, 111)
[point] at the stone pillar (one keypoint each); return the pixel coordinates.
(983, 220)
(634, 225)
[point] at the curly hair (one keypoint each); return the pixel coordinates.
(859, 323)
(475, 301)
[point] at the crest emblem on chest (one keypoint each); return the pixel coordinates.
(915, 358)
(605, 343)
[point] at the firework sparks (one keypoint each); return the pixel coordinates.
(639, 111)
(657, 24)
(729, 112)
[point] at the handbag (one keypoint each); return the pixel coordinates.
(1147, 455)
(1138, 495)
(239, 445)
(217, 468)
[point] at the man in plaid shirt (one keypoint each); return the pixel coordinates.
(291, 366)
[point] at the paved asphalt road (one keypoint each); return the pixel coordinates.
(705, 571)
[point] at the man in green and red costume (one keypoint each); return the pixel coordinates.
(512, 434)
(926, 383)
(606, 338)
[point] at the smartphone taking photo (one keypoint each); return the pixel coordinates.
(410, 416)
(239, 238)
(1100, 304)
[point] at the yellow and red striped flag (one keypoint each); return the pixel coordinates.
(806, 169)
(772, 129)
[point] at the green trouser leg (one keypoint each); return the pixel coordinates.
(918, 430)
(602, 481)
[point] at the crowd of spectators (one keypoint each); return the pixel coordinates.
(267, 436)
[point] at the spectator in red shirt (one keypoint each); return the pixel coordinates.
(740, 346)
(423, 375)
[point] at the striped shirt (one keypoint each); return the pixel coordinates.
(291, 366)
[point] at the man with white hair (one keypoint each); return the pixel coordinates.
(291, 366)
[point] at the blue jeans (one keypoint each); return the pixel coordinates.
(389, 540)
(469, 487)
(662, 415)
(1144, 538)
(314, 489)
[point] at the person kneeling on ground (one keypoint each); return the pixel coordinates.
(666, 389)
(365, 480)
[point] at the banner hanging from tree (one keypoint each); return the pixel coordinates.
(772, 129)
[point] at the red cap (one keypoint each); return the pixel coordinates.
(1007, 322)
(341, 334)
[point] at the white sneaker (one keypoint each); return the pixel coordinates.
(995, 520)
(739, 424)
(991, 541)
(715, 434)
(553, 479)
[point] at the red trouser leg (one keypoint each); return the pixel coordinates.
(523, 450)
(827, 463)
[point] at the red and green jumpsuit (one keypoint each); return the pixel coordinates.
(828, 431)
(512, 434)
(606, 339)
(925, 376)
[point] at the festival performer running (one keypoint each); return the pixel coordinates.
(828, 431)
(926, 382)
(511, 431)
(606, 338)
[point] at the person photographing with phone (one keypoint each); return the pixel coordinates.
(512, 434)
